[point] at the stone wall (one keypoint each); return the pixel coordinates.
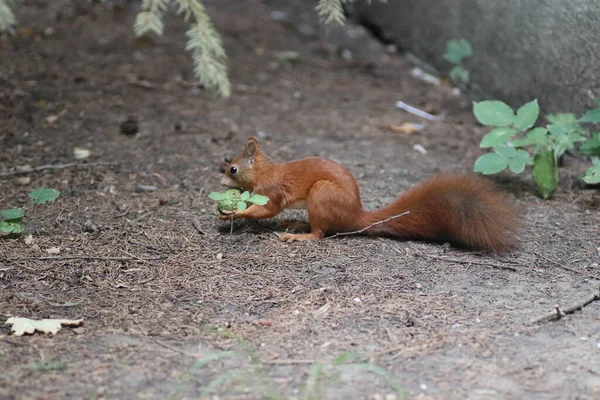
(549, 49)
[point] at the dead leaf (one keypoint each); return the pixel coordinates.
(20, 326)
(80, 153)
(406, 128)
(264, 322)
(29, 240)
(53, 250)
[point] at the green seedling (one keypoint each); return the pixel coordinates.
(516, 142)
(11, 222)
(456, 52)
(236, 200)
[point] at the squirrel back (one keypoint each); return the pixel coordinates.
(464, 209)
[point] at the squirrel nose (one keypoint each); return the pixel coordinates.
(227, 181)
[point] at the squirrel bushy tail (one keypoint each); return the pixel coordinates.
(463, 209)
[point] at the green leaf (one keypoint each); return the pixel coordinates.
(11, 227)
(564, 123)
(506, 151)
(43, 195)
(457, 50)
(537, 136)
(241, 205)
(245, 196)
(557, 130)
(516, 165)
(562, 118)
(592, 145)
(490, 163)
(497, 137)
(493, 112)
(592, 116)
(562, 143)
(216, 196)
(259, 199)
(15, 214)
(545, 172)
(459, 73)
(592, 175)
(527, 115)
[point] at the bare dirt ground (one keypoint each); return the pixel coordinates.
(173, 313)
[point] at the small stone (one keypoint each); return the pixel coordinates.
(89, 226)
(80, 153)
(24, 181)
(129, 126)
(29, 240)
(178, 126)
(220, 256)
(146, 188)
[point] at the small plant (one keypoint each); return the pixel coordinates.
(236, 200)
(456, 52)
(12, 218)
(514, 139)
(11, 222)
(7, 18)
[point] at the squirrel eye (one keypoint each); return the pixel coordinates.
(233, 170)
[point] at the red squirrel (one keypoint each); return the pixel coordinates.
(463, 209)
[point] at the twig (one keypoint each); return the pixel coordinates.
(289, 362)
(50, 166)
(368, 227)
(558, 313)
(196, 224)
(457, 260)
(416, 111)
(91, 258)
(567, 268)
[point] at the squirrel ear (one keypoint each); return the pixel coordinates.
(252, 146)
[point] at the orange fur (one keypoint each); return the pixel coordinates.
(463, 209)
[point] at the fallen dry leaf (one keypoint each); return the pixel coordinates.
(53, 250)
(29, 240)
(21, 326)
(406, 128)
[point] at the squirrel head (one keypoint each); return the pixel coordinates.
(240, 173)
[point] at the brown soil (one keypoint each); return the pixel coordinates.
(347, 318)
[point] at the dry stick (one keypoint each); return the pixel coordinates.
(567, 268)
(196, 224)
(50, 166)
(456, 260)
(92, 258)
(368, 227)
(289, 362)
(558, 313)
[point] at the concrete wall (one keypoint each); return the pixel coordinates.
(549, 49)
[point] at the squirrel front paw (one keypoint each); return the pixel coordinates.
(225, 215)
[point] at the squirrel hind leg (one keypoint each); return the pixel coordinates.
(291, 237)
